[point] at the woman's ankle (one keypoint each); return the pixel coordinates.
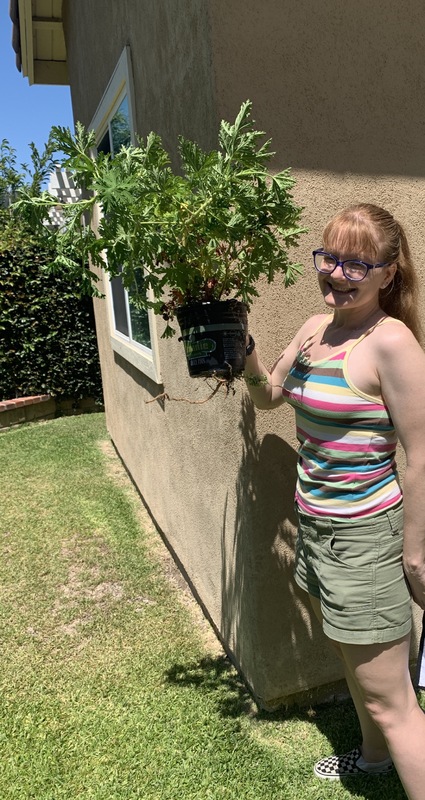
(374, 755)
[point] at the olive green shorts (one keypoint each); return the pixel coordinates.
(355, 569)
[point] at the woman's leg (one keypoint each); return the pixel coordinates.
(382, 674)
(389, 714)
(374, 746)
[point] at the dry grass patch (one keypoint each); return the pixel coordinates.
(157, 550)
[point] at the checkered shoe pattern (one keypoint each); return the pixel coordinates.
(352, 763)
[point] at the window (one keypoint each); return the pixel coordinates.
(133, 330)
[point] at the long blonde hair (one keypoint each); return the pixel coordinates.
(370, 229)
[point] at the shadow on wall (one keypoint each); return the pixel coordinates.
(142, 380)
(263, 619)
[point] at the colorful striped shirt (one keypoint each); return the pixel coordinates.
(346, 464)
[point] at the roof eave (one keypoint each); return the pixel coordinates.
(39, 42)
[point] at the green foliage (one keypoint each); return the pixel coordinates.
(30, 180)
(207, 233)
(47, 331)
(255, 380)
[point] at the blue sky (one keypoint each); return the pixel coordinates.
(27, 112)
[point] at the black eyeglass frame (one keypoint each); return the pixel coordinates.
(339, 263)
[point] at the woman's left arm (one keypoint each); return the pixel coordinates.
(401, 366)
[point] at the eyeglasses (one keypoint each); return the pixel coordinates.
(352, 269)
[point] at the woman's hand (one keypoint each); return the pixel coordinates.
(415, 576)
(258, 380)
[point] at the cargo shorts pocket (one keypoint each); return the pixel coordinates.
(347, 572)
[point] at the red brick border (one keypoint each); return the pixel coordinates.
(18, 402)
(41, 407)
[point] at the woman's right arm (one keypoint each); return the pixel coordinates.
(265, 386)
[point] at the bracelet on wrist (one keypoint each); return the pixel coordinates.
(250, 346)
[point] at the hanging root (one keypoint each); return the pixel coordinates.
(221, 383)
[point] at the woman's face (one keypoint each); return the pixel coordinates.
(340, 292)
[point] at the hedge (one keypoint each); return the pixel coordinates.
(47, 332)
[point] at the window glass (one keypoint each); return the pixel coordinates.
(120, 127)
(139, 324)
(119, 306)
(104, 145)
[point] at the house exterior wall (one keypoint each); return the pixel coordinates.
(339, 87)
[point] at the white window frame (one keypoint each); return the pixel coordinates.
(143, 358)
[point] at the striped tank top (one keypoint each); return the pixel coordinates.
(346, 457)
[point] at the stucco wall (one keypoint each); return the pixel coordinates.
(339, 87)
(171, 58)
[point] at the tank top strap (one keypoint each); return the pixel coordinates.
(369, 331)
(321, 324)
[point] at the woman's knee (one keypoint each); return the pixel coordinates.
(388, 711)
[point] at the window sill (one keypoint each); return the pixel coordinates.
(142, 360)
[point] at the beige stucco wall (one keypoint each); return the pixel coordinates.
(339, 87)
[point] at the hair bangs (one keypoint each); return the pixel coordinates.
(351, 233)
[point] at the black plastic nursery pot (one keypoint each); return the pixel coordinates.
(214, 337)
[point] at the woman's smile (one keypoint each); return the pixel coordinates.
(341, 289)
(337, 290)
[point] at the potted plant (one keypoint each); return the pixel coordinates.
(190, 244)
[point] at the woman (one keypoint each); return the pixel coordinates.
(355, 379)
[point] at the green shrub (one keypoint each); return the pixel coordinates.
(47, 331)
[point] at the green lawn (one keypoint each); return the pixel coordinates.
(111, 686)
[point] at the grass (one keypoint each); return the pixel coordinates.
(111, 687)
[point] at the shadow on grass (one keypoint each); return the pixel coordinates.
(337, 721)
(214, 675)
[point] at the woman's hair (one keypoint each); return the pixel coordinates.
(373, 232)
